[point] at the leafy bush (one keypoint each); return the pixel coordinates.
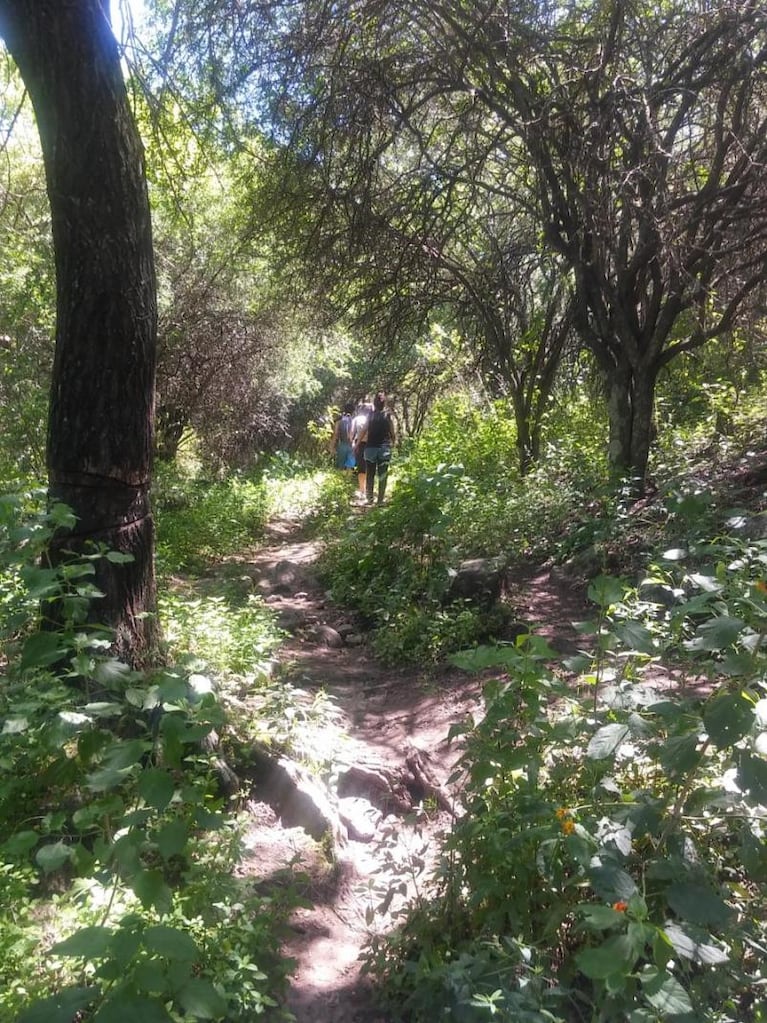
(199, 521)
(456, 497)
(611, 861)
(116, 852)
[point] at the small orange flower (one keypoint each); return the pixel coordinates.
(568, 827)
(760, 585)
(621, 907)
(562, 812)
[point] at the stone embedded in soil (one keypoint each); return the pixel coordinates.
(360, 817)
(328, 636)
(301, 801)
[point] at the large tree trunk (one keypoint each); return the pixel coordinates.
(102, 395)
(630, 404)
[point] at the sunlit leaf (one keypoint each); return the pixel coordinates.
(606, 741)
(694, 945)
(53, 856)
(665, 993)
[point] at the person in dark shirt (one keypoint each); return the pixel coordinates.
(378, 437)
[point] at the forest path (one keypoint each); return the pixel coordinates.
(380, 717)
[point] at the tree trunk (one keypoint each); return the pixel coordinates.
(102, 394)
(630, 404)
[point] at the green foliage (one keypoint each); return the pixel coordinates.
(455, 496)
(234, 636)
(199, 521)
(117, 856)
(610, 863)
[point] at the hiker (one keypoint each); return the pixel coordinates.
(341, 443)
(378, 436)
(360, 421)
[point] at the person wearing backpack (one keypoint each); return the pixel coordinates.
(378, 437)
(341, 444)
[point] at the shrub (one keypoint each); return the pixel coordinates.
(611, 860)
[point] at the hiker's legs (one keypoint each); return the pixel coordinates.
(383, 475)
(370, 475)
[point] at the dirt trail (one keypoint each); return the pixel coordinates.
(383, 715)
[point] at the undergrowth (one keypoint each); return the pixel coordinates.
(610, 862)
(119, 856)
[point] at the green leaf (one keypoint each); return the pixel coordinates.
(736, 663)
(717, 633)
(151, 976)
(605, 590)
(40, 582)
(128, 1009)
(118, 558)
(125, 944)
(200, 1000)
(170, 943)
(635, 636)
(600, 918)
(151, 889)
(665, 993)
(171, 839)
(606, 741)
(612, 884)
(15, 726)
(728, 718)
(752, 776)
(62, 1007)
(20, 843)
(112, 673)
(698, 904)
(87, 943)
(616, 955)
(118, 762)
(695, 945)
(52, 857)
(485, 657)
(156, 787)
(679, 754)
(42, 649)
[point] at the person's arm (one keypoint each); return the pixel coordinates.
(392, 430)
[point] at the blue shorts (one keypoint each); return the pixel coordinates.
(378, 456)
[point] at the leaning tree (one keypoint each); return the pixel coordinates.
(102, 393)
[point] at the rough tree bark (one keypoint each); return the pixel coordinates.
(102, 394)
